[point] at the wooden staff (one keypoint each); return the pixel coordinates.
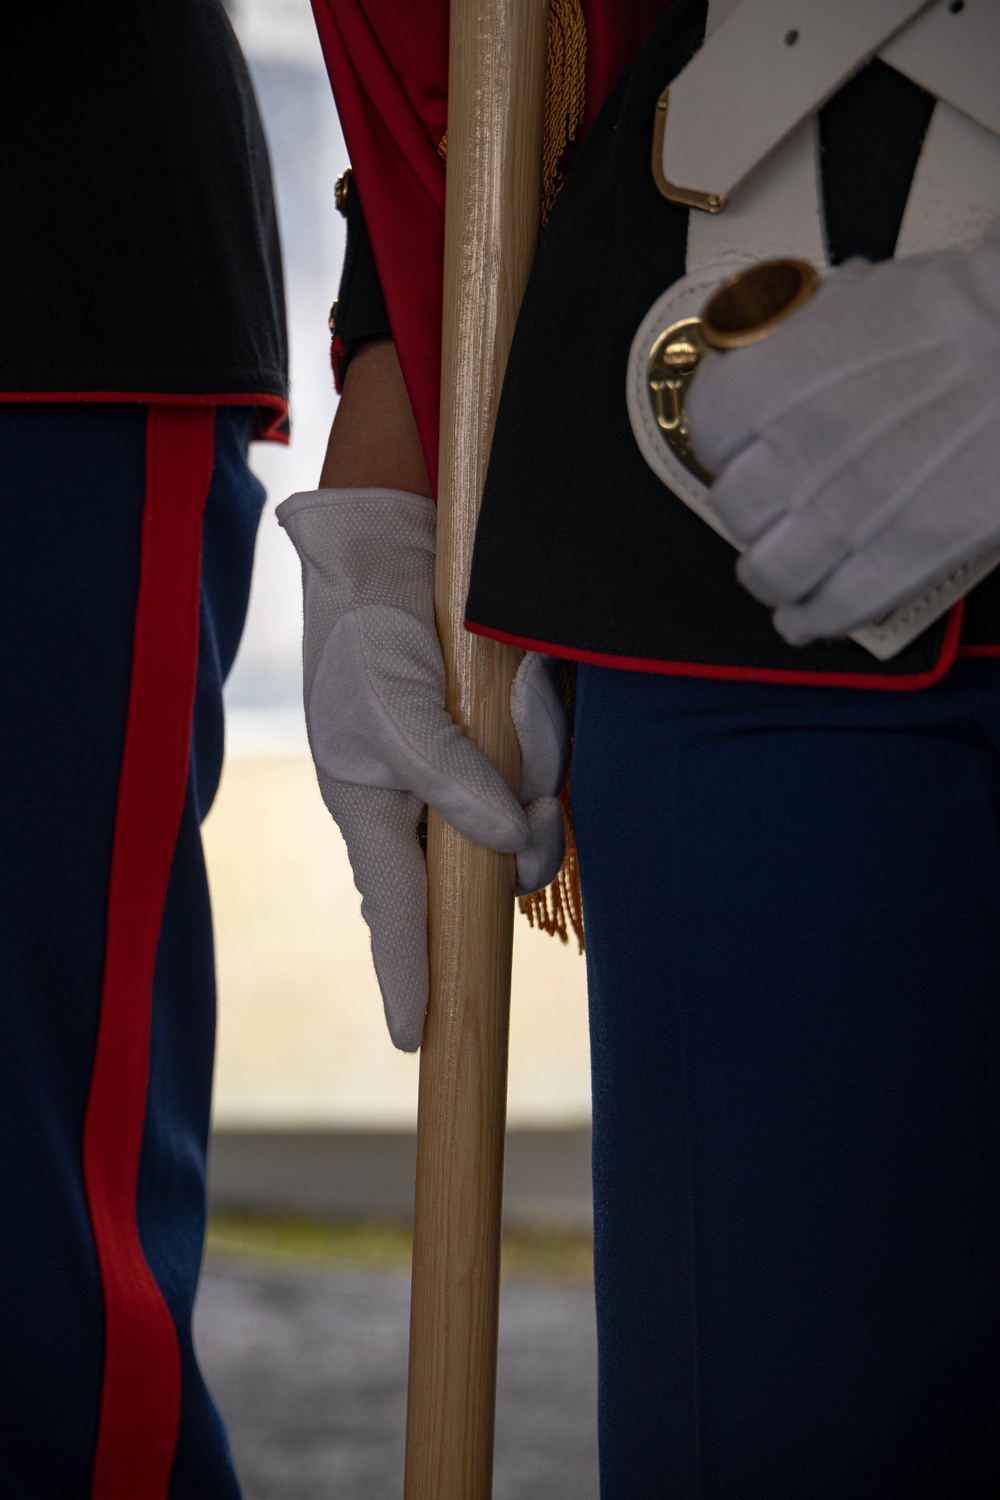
(495, 108)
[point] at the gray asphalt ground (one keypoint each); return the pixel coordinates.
(309, 1369)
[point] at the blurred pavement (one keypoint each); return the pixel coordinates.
(309, 1370)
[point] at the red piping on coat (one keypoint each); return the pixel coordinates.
(141, 1393)
(899, 683)
(270, 432)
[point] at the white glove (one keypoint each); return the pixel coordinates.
(857, 451)
(383, 743)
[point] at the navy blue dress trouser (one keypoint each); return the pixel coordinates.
(76, 488)
(792, 906)
(792, 899)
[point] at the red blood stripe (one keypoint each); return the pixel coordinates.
(140, 1400)
(890, 682)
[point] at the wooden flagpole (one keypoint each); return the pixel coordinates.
(495, 110)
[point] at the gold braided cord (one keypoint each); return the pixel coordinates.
(565, 92)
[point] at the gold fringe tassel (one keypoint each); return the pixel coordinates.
(560, 907)
(565, 92)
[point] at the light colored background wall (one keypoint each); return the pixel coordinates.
(301, 1036)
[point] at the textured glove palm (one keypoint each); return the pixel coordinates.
(383, 743)
(857, 451)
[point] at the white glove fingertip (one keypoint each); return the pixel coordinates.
(759, 580)
(792, 623)
(539, 864)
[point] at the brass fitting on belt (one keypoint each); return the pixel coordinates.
(747, 308)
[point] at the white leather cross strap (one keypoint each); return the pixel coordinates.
(763, 70)
(953, 51)
(955, 192)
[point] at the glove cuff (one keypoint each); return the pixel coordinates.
(355, 504)
(363, 547)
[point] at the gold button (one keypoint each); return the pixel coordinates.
(341, 190)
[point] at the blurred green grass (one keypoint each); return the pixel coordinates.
(312, 1243)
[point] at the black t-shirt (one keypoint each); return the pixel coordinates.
(138, 244)
(580, 547)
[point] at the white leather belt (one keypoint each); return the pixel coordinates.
(759, 158)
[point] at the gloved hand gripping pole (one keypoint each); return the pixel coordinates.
(495, 114)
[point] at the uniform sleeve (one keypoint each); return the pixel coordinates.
(359, 312)
(388, 66)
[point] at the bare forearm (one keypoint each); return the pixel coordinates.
(373, 440)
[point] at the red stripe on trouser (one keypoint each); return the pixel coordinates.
(140, 1398)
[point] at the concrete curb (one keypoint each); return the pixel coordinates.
(369, 1174)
